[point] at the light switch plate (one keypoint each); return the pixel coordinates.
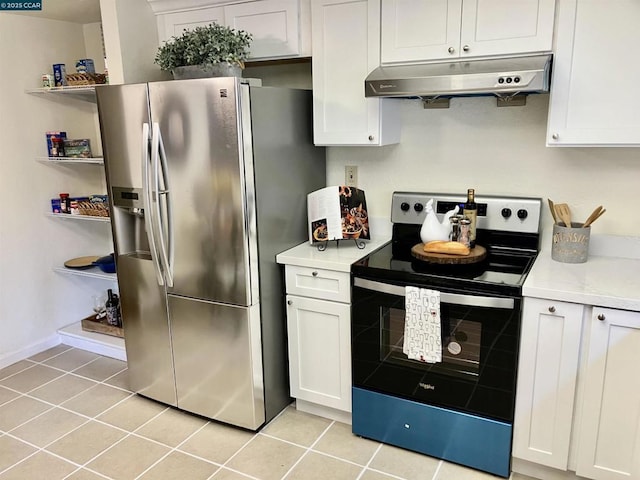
(351, 175)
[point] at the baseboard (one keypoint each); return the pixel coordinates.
(7, 359)
(541, 472)
(322, 411)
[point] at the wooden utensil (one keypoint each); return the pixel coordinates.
(591, 220)
(553, 211)
(562, 211)
(593, 216)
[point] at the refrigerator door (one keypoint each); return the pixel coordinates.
(124, 112)
(199, 123)
(218, 361)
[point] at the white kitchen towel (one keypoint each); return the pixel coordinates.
(422, 339)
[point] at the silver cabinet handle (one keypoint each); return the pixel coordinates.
(371, 138)
(552, 309)
(289, 302)
(451, 50)
(465, 48)
(601, 317)
(315, 274)
(555, 136)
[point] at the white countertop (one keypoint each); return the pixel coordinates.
(603, 280)
(337, 257)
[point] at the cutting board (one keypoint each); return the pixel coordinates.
(478, 253)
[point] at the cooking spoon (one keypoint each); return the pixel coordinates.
(591, 220)
(593, 216)
(553, 211)
(562, 211)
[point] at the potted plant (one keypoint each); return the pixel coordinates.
(213, 50)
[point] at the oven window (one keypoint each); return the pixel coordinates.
(461, 344)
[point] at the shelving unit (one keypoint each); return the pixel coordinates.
(73, 334)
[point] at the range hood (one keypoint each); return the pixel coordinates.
(504, 77)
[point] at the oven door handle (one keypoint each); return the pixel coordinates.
(452, 298)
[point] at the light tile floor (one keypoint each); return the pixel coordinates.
(67, 414)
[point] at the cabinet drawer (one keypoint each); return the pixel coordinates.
(318, 283)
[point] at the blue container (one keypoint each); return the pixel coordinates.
(59, 74)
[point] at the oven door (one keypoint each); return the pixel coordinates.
(480, 337)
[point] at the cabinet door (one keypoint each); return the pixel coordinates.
(499, 27)
(273, 23)
(346, 47)
(591, 66)
(547, 370)
(414, 30)
(319, 340)
(609, 432)
(173, 24)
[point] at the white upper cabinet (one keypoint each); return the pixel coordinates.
(346, 47)
(280, 28)
(593, 100)
(418, 31)
(173, 24)
(273, 23)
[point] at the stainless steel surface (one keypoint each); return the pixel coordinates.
(453, 298)
(198, 218)
(216, 378)
(504, 76)
(195, 119)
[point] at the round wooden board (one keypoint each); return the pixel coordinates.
(478, 253)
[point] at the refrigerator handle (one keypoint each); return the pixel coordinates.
(159, 161)
(146, 198)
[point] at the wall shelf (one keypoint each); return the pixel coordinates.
(82, 218)
(83, 92)
(71, 160)
(93, 272)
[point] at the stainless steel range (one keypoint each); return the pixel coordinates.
(461, 407)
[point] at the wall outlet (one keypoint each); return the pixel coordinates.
(351, 175)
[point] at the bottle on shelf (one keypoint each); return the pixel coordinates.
(113, 309)
(65, 203)
(470, 211)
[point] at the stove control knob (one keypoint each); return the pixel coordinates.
(522, 214)
(506, 212)
(404, 206)
(418, 207)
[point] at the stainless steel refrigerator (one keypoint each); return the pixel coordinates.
(207, 181)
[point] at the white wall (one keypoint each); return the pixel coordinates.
(474, 144)
(35, 301)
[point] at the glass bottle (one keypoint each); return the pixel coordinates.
(470, 211)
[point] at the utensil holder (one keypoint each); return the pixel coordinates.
(570, 244)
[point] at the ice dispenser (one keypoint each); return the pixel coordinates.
(129, 223)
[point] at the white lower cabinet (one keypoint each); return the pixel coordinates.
(549, 357)
(578, 392)
(319, 336)
(609, 428)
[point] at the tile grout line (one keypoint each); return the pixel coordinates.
(309, 449)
